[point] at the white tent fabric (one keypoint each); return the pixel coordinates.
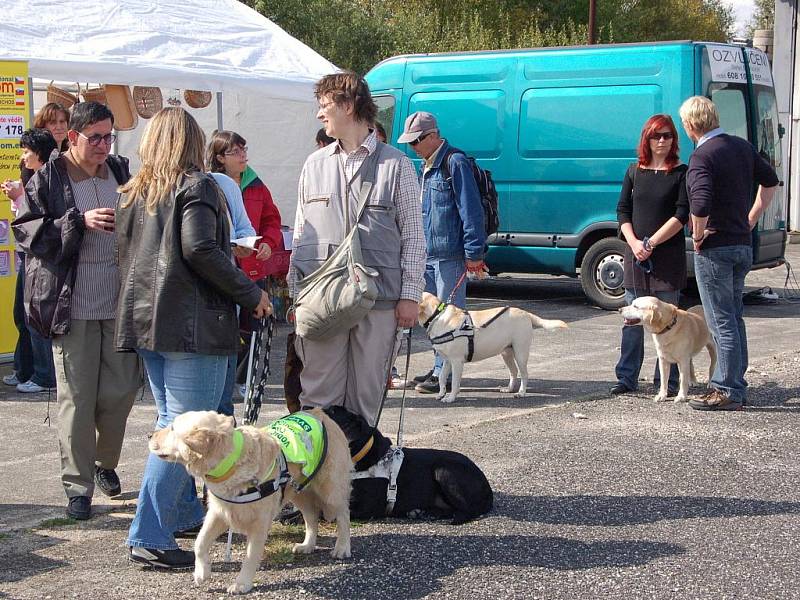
(214, 45)
(266, 75)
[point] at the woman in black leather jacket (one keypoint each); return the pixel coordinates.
(177, 309)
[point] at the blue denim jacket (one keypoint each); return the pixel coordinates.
(451, 210)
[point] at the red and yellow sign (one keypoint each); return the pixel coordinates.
(14, 99)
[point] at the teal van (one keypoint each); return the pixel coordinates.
(557, 127)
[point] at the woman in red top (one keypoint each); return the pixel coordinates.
(227, 153)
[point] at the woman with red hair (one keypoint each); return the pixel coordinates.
(653, 207)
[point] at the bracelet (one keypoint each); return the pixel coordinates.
(700, 239)
(646, 243)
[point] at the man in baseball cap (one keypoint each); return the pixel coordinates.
(418, 124)
(453, 216)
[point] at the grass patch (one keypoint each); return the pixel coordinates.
(57, 522)
(283, 537)
(4, 536)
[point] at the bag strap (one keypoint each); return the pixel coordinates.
(370, 168)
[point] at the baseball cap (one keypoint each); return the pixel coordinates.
(417, 124)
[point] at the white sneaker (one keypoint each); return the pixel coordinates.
(243, 390)
(11, 379)
(31, 388)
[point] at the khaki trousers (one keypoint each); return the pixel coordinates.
(96, 387)
(350, 369)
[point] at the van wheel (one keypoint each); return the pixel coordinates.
(602, 273)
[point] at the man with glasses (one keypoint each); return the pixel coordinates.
(453, 217)
(66, 227)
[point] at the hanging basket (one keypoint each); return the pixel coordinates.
(148, 101)
(59, 96)
(97, 94)
(197, 99)
(120, 102)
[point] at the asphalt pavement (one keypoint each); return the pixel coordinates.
(595, 497)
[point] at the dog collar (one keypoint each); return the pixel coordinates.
(671, 325)
(224, 468)
(439, 310)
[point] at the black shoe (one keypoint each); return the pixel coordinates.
(189, 533)
(431, 386)
(107, 481)
(289, 515)
(79, 508)
(423, 378)
(162, 559)
(620, 388)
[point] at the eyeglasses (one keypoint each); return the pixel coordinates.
(240, 151)
(94, 140)
(326, 105)
(418, 140)
(660, 135)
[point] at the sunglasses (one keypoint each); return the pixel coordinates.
(418, 140)
(665, 135)
(94, 140)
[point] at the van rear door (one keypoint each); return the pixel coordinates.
(739, 82)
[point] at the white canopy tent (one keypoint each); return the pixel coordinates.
(265, 74)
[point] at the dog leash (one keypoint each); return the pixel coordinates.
(403, 399)
(456, 286)
(258, 368)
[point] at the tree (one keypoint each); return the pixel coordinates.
(356, 34)
(763, 16)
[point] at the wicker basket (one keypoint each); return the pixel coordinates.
(97, 94)
(120, 101)
(59, 96)
(197, 99)
(148, 101)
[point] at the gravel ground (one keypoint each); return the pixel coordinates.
(595, 497)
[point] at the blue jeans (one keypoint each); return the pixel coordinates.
(631, 352)
(441, 276)
(167, 499)
(226, 401)
(720, 276)
(33, 354)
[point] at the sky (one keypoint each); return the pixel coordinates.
(742, 10)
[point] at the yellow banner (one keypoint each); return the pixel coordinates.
(14, 99)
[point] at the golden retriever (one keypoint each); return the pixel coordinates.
(201, 440)
(510, 335)
(678, 336)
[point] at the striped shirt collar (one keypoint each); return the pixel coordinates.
(370, 144)
(76, 172)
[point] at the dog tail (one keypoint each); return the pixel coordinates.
(547, 323)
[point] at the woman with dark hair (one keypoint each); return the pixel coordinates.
(323, 139)
(652, 210)
(33, 355)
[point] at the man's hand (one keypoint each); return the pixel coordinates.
(698, 241)
(241, 251)
(264, 251)
(406, 313)
(99, 219)
(264, 308)
(477, 268)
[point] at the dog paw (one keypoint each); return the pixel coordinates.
(240, 587)
(343, 552)
(680, 398)
(660, 398)
(447, 398)
(520, 394)
(201, 574)
(302, 549)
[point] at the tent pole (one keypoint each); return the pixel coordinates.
(219, 112)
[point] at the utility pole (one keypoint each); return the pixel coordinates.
(592, 15)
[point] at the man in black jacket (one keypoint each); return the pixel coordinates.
(66, 228)
(723, 171)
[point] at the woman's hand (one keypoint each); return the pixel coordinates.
(639, 250)
(264, 251)
(12, 189)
